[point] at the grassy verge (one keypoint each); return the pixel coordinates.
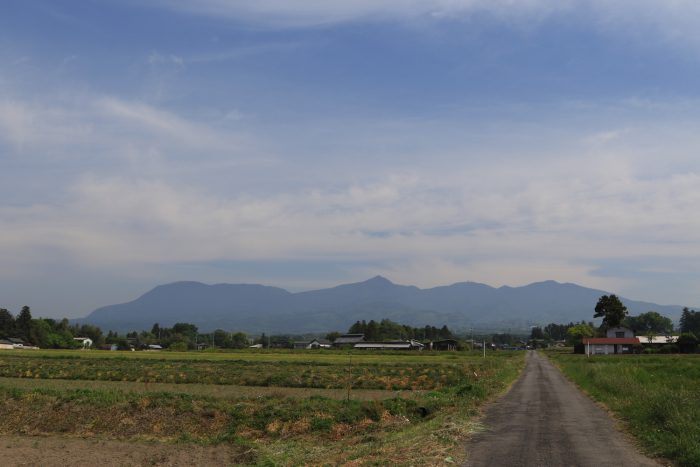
(279, 427)
(658, 397)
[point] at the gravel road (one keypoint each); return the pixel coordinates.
(546, 421)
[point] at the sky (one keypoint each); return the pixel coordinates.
(309, 143)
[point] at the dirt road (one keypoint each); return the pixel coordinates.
(546, 421)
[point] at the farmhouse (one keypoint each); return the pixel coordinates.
(313, 344)
(348, 340)
(617, 341)
(390, 345)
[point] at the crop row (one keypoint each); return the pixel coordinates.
(244, 373)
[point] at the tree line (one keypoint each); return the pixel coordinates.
(390, 330)
(59, 334)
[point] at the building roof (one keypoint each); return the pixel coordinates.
(657, 339)
(349, 339)
(611, 340)
(388, 345)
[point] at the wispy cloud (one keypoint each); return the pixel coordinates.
(675, 21)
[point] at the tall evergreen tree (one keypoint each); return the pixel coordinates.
(7, 323)
(23, 323)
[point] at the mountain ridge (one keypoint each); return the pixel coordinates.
(262, 308)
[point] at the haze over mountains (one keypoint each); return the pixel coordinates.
(257, 308)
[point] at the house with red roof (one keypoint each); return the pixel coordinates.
(617, 341)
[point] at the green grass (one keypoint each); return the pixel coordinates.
(291, 423)
(657, 396)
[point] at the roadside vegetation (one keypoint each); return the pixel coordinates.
(656, 396)
(421, 408)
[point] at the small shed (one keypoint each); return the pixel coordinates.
(445, 344)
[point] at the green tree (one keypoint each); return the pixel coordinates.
(536, 333)
(372, 331)
(650, 322)
(23, 323)
(7, 323)
(239, 340)
(690, 321)
(577, 332)
(332, 336)
(611, 309)
(687, 342)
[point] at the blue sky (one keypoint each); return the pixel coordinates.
(309, 143)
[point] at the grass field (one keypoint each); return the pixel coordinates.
(657, 396)
(275, 408)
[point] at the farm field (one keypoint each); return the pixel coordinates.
(275, 408)
(656, 396)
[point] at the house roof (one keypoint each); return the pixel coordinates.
(611, 340)
(349, 339)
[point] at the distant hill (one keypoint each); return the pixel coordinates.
(258, 308)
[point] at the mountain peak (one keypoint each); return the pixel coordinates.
(379, 280)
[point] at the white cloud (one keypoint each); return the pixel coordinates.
(316, 12)
(675, 21)
(602, 194)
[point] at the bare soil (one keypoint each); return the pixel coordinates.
(546, 421)
(59, 452)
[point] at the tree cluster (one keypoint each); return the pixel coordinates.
(182, 336)
(571, 333)
(649, 323)
(44, 332)
(390, 330)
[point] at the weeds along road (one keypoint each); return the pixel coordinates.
(546, 421)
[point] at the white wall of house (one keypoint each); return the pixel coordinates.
(619, 332)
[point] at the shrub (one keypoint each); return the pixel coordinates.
(670, 348)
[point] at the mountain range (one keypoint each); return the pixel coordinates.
(257, 308)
